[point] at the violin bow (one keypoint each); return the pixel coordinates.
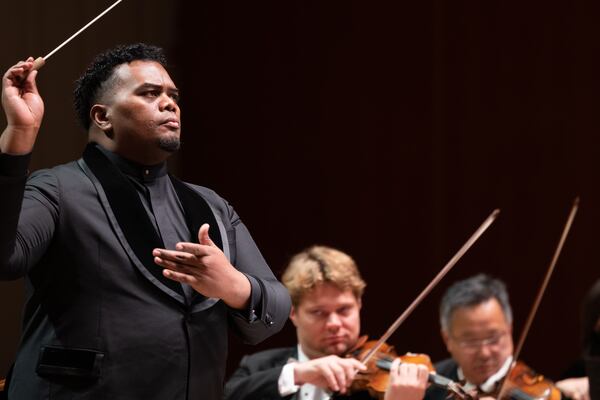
(40, 61)
(461, 252)
(540, 293)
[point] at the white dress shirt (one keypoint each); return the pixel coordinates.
(288, 386)
(490, 384)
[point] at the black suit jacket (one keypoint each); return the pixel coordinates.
(592, 366)
(447, 368)
(100, 321)
(257, 377)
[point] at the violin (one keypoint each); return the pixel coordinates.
(523, 383)
(376, 377)
(378, 361)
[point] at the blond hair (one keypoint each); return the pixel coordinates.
(318, 265)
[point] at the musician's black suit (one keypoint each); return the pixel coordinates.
(257, 377)
(101, 322)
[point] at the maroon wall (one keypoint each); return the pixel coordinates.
(388, 129)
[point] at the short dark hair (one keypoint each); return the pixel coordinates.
(471, 292)
(87, 87)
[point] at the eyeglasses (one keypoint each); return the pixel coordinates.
(473, 345)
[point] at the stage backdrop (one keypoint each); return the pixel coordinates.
(387, 129)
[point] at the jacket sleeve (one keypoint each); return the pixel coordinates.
(270, 301)
(592, 365)
(28, 211)
(250, 382)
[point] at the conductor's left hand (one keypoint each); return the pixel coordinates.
(205, 268)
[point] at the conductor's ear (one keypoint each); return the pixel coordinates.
(100, 117)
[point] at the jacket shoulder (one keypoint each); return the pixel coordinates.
(208, 194)
(446, 367)
(269, 358)
(63, 172)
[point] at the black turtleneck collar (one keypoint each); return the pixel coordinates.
(143, 173)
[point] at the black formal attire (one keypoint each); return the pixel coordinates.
(592, 365)
(258, 374)
(591, 316)
(447, 368)
(100, 320)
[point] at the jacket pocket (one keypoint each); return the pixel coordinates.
(70, 363)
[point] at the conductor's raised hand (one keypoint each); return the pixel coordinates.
(23, 106)
(205, 268)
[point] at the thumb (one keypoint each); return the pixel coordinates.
(31, 82)
(203, 237)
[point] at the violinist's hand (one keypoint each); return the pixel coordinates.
(407, 381)
(575, 388)
(330, 372)
(23, 106)
(205, 268)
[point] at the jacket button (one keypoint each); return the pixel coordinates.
(269, 320)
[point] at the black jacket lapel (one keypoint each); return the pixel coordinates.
(129, 212)
(197, 212)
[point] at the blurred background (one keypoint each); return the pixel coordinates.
(387, 129)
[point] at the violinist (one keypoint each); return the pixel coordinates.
(476, 326)
(592, 339)
(584, 381)
(326, 290)
(583, 376)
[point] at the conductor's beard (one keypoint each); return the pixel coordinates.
(169, 144)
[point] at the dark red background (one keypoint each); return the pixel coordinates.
(387, 129)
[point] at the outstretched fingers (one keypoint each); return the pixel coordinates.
(178, 257)
(180, 277)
